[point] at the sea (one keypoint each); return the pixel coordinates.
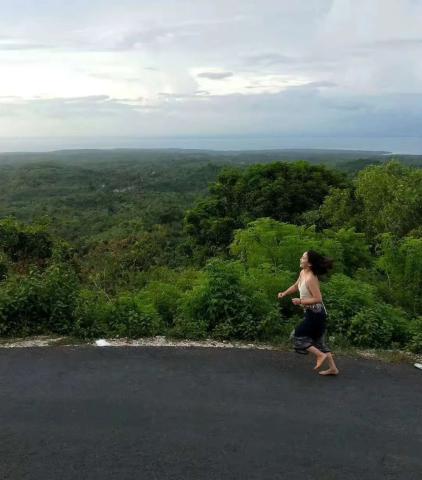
(387, 145)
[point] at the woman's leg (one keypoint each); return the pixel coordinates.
(320, 345)
(320, 356)
(332, 369)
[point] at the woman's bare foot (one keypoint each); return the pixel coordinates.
(330, 371)
(320, 360)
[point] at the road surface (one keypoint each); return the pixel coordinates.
(204, 413)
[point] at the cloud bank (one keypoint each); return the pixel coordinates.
(321, 67)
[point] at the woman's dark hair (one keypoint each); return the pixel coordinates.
(318, 263)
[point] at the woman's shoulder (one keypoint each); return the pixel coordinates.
(311, 277)
(302, 276)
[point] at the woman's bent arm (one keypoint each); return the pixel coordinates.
(292, 289)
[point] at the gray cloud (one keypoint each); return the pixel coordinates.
(269, 59)
(298, 111)
(358, 64)
(87, 99)
(394, 43)
(215, 75)
(89, 106)
(115, 77)
(321, 84)
(138, 39)
(13, 44)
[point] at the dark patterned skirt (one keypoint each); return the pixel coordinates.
(311, 331)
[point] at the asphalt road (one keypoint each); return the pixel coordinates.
(194, 413)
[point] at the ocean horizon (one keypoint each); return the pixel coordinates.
(393, 145)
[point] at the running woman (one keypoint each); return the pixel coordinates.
(309, 334)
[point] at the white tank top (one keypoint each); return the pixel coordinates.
(303, 290)
(305, 293)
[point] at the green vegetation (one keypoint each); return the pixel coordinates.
(197, 244)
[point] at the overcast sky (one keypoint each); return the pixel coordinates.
(220, 67)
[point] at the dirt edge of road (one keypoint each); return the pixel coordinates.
(389, 356)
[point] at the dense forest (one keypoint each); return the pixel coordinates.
(196, 244)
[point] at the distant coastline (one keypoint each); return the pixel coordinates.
(376, 145)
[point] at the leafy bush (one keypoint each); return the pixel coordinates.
(190, 326)
(42, 302)
(132, 318)
(275, 327)
(268, 280)
(355, 250)
(163, 297)
(124, 316)
(279, 244)
(4, 267)
(22, 242)
(92, 315)
(401, 263)
(378, 326)
(344, 298)
(415, 332)
(222, 306)
(4, 313)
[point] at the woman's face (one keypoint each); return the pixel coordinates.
(304, 261)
